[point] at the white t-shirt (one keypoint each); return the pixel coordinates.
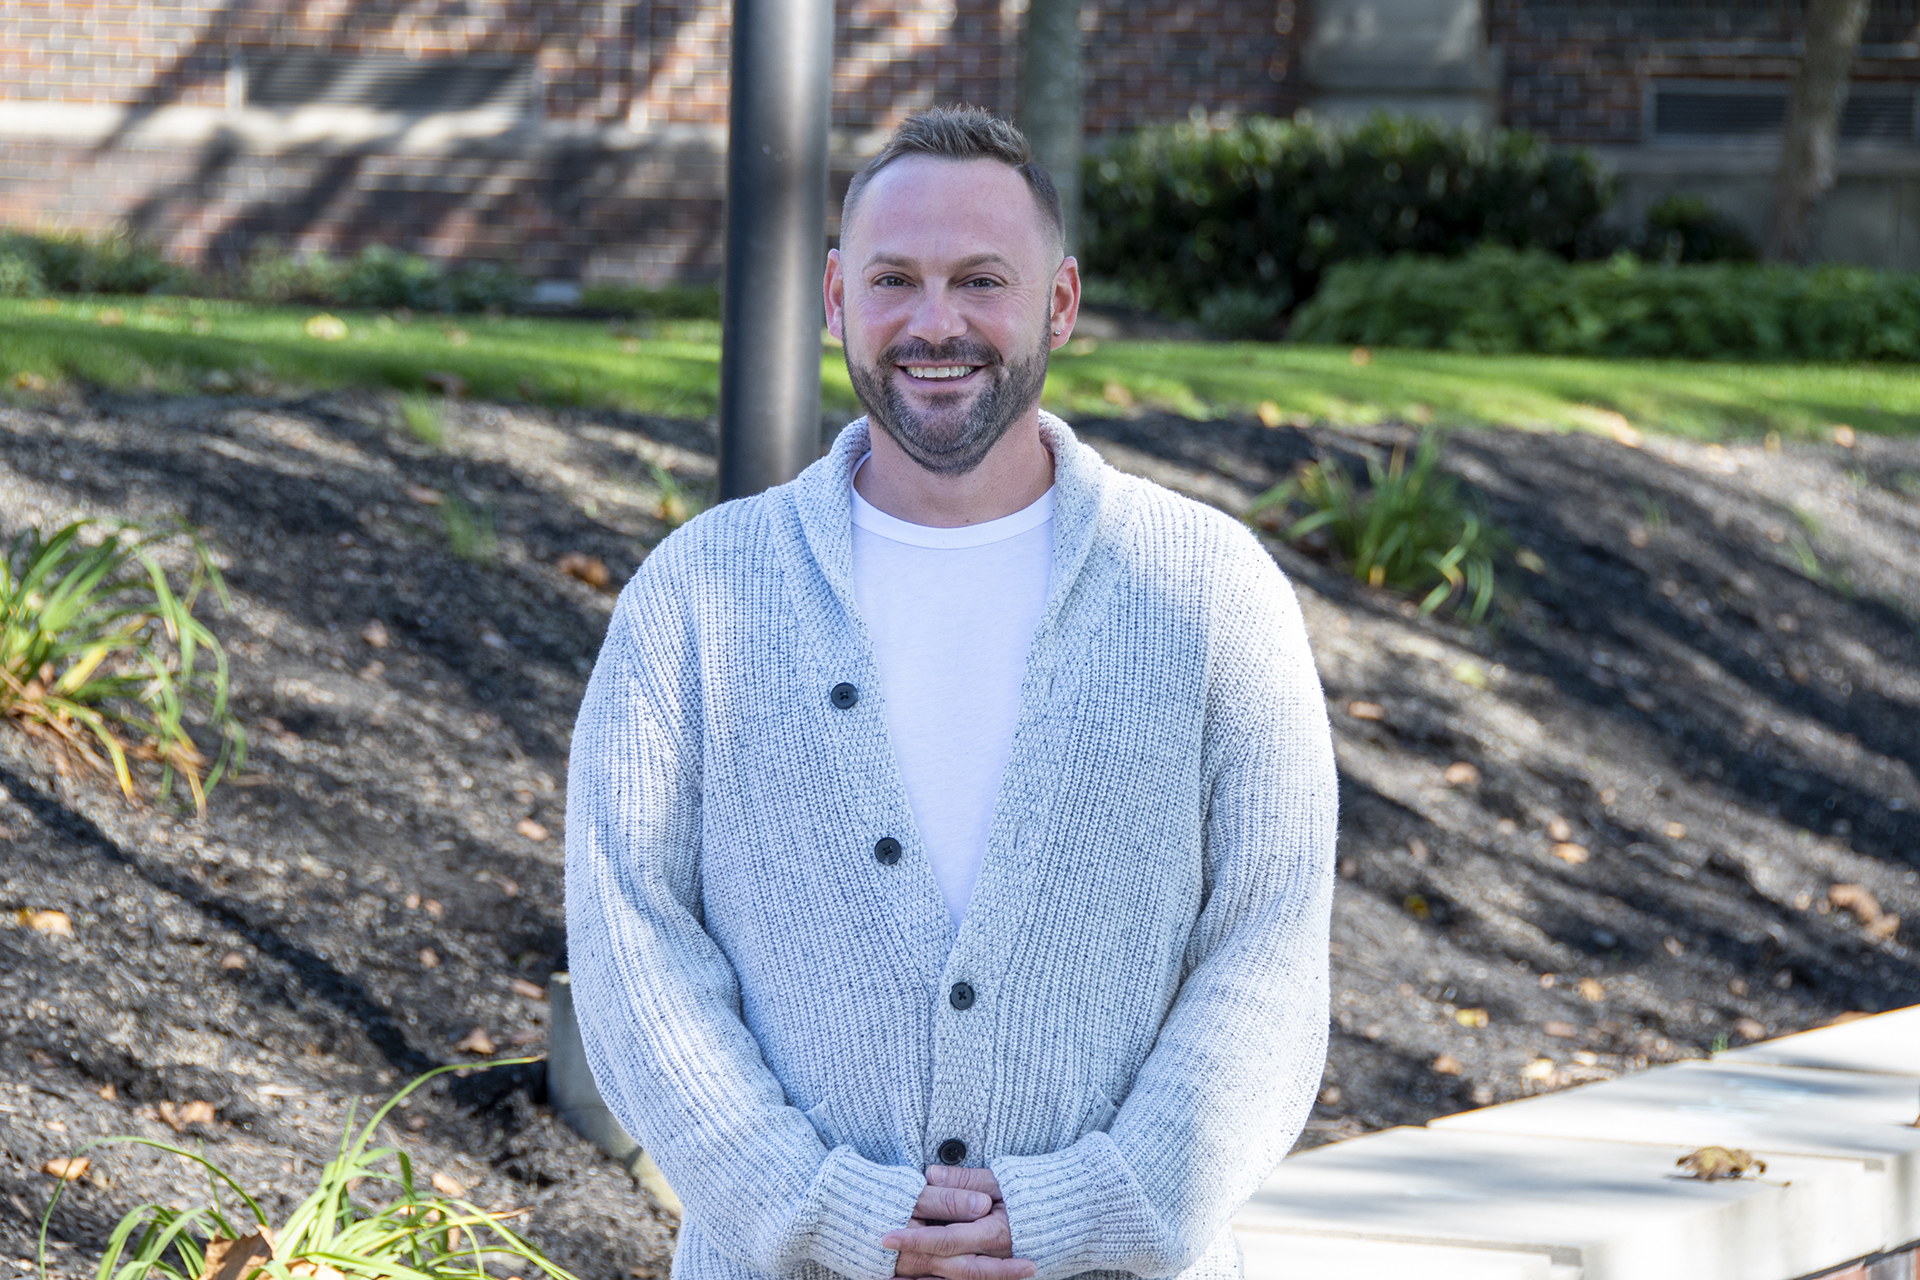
(952, 613)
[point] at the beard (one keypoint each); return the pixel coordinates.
(952, 437)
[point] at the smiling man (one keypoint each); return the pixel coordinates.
(950, 830)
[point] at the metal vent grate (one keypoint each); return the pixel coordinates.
(289, 80)
(1759, 112)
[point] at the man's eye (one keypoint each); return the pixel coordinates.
(890, 281)
(982, 282)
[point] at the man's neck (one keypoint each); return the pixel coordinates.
(1013, 476)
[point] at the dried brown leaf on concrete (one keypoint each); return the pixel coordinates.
(429, 958)
(1571, 854)
(1446, 1065)
(448, 1185)
(1558, 829)
(66, 1168)
(532, 830)
(531, 990)
(1366, 711)
(1714, 1164)
(1560, 1030)
(1461, 774)
(1591, 991)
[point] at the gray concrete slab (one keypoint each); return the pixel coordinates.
(1271, 1255)
(1768, 1110)
(1887, 1042)
(1613, 1210)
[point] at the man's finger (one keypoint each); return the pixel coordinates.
(952, 1204)
(988, 1235)
(973, 1266)
(943, 1175)
(913, 1265)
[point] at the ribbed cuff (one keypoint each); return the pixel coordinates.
(859, 1202)
(1069, 1210)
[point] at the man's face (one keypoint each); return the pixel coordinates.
(947, 291)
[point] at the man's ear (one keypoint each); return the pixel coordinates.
(834, 287)
(1064, 305)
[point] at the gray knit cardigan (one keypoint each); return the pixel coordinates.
(770, 989)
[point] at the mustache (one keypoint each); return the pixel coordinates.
(958, 351)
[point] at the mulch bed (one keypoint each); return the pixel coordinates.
(1710, 690)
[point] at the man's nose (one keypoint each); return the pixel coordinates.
(936, 318)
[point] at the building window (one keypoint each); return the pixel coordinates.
(373, 82)
(1756, 111)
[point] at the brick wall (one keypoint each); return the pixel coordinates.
(625, 179)
(1574, 69)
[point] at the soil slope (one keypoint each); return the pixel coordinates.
(1709, 690)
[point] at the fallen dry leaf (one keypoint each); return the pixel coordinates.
(413, 901)
(66, 1168)
(429, 958)
(375, 633)
(315, 1270)
(236, 1259)
(1461, 774)
(1418, 848)
(233, 960)
(1558, 829)
(107, 1091)
(1676, 831)
(1560, 1030)
(477, 1041)
(1571, 854)
(526, 1035)
(447, 1185)
(58, 923)
(424, 496)
(1269, 414)
(531, 990)
(1471, 1017)
(1366, 711)
(434, 908)
(530, 829)
(508, 886)
(1674, 948)
(1591, 991)
(197, 1112)
(326, 328)
(591, 570)
(1749, 1029)
(1538, 1069)
(1446, 1065)
(1843, 435)
(1714, 1164)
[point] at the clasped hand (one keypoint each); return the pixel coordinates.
(959, 1230)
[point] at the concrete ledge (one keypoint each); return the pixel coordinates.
(1583, 1183)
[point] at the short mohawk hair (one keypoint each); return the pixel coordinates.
(963, 132)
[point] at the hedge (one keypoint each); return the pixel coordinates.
(1235, 225)
(1498, 300)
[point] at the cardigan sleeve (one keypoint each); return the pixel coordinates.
(658, 1001)
(1222, 1095)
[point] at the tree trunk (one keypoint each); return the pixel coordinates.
(1050, 112)
(1813, 123)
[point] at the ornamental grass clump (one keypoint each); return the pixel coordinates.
(102, 656)
(366, 1219)
(1410, 529)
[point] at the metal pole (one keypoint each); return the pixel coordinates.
(776, 242)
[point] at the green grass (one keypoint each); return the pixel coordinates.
(1711, 401)
(672, 367)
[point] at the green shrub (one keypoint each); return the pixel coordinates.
(488, 286)
(70, 262)
(1497, 300)
(274, 276)
(1410, 529)
(20, 275)
(381, 277)
(368, 1217)
(669, 302)
(1688, 229)
(96, 648)
(1188, 216)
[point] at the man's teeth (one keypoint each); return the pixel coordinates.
(940, 371)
